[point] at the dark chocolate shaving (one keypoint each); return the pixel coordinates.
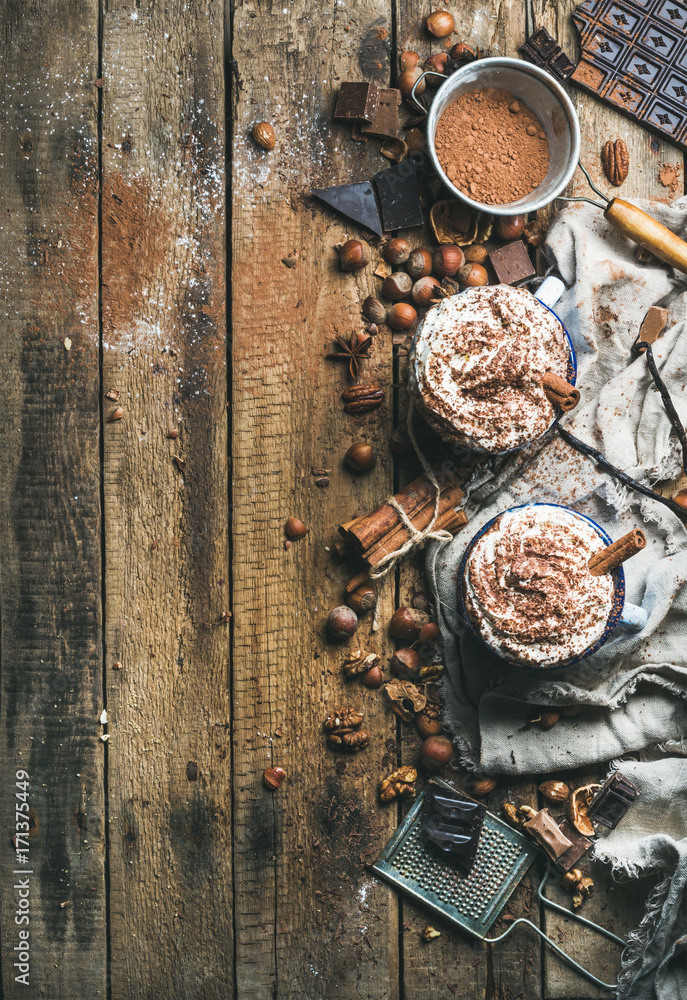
(618, 474)
(671, 412)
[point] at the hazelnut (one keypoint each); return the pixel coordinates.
(440, 24)
(447, 260)
(397, 251)
(554, 791)
(399, 442)
(406, 623)
(342, 623)
(397, 286)
(294, 528)
(426, 725)
(548, 718)
(482, 784)
(437, 64)
(353, 256)
(401, 316)
(116, 414)
(407, 81)
(419, 264)
(510, 227)
(462, 51)
(680, 498)
(374, 310)
(263, 133)
(420, 601)
(363, 599)
(424, 291)
(473, 275)
(273, 777)
(406, 663)
(475, 254)
(435, 752)
(373, 678)
(360, 457)
(429, 633)
(409, 60)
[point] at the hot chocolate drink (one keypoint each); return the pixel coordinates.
(478, 363)
(527, 588)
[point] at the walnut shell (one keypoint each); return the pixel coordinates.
(578, 803)
(406, 699)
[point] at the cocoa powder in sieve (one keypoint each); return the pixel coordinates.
(491, 146)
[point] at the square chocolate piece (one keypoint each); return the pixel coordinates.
(357, 103)
(612, 801)
(580, 845)
(512, 263)
(398, 196)
(543, 50)
(385, 124)
(453, 822)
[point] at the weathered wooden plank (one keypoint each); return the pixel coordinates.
(310, 921)
(49, 500)
(167, 550)
(456, 964)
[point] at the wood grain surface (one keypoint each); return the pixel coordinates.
(50, 520)
(148, 574)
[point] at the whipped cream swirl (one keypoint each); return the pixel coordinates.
(477, 365)
(528, 590)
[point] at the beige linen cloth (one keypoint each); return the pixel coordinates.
(635, 688)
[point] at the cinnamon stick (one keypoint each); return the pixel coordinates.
(399, 535)
(357, 581)
(559, 392)
(364, 532)
(616, 554)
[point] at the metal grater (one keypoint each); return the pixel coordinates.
(472, 901)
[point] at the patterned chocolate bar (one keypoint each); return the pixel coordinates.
(634, 58)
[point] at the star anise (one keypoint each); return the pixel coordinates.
(352, 351)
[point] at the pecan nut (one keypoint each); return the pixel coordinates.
(362, 398)
(349, 739)
(616, 161)
(399, 783)
(359, 662)
(343, 719)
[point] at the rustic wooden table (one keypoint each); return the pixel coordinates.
(159, 866)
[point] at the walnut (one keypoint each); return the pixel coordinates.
(571, 878)
(343, 718)
(554, 791)
(585, 887)
(359, 662)
(349, 739)
(406, 699)
(400, 783)
(429, 933)
(577, 901)
(430, 672)
(578, 803)
(511, 814)
(482, 784)
(616, 161)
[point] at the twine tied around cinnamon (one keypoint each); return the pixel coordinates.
(418, 539)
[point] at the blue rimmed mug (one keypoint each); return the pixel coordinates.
(623, 614)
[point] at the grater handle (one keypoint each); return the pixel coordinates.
(641, 228)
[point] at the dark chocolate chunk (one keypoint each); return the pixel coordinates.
(612, 801)
(398, 196)
(357, 102)
(385, 123)
(580, 845)
(512, 263)
(543, 50)
(355, 201)
(453, 822)
(633, 59)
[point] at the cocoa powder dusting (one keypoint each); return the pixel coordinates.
(492, 147)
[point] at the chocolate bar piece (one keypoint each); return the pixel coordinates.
(612, 801)
(547, 833)
(512, 263)
(357, 103)
(385, 123)
(453, 822)
(543, 50)
(580, 845)
(355, 201)
(398, 196)
(633, 59)
(653, 325)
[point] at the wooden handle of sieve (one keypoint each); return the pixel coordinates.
(643, 229)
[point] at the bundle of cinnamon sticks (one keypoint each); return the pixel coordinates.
(382, 532)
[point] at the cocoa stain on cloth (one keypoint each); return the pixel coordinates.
(491, 146)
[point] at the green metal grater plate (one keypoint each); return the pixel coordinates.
(472, 901)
